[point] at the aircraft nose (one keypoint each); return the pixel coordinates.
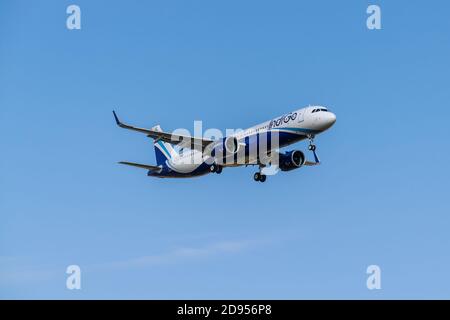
(321, 119)
(327, 120)
(331, 119)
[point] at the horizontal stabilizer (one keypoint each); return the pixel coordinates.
(143, 166)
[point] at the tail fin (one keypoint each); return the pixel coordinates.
(163, 150)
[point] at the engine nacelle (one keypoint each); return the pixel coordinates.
(231, 145)
(227, 149)
(291, 160)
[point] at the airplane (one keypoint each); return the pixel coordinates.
(258, 145)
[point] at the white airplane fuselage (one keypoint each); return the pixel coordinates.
(290, 128)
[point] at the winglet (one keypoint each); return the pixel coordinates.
(117, 119)
(316, 158)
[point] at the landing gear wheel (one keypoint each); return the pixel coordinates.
(257, 176)
(213, 168)
(262, 177)
(218, 169)
(312, 146)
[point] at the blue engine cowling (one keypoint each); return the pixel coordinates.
(291, 160)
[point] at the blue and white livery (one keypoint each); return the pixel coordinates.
(258, 145)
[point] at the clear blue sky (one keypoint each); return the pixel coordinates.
(380, 196)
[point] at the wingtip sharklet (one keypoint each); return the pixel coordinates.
(117, 118)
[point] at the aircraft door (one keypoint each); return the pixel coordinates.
(300, 116)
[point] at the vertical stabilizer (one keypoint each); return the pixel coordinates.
(163, 150)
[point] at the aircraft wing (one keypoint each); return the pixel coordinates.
(316, 160)
(176, 139)
(143, 166)
(310, 163)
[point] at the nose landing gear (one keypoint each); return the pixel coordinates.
(312, 147)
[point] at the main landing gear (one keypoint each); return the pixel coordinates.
(259, 177)
(215, 168)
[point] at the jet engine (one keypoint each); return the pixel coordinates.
(231, 145)
(291, 160)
